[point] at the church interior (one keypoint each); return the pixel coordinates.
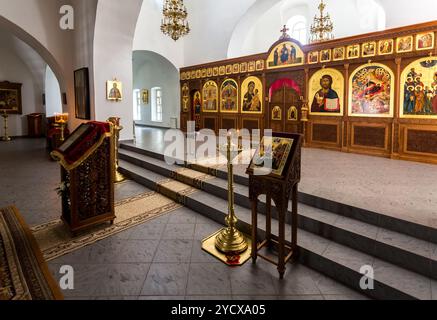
(135, 139)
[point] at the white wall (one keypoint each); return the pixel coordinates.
(113, 42)
(212, 24)
(259, 29)
(83, 41)
(53, 94)
(12, 69)
(152, 70)
(148, 35)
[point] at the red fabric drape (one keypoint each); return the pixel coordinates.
(284, 82)
(88, 140)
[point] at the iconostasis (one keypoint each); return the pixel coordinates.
(372, 94)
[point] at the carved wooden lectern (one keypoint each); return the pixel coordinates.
(87, 172)
(279, 184)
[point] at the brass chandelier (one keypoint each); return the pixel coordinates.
(174, 23)
(322, 27)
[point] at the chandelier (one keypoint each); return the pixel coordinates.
(174, 23)
(322, 27)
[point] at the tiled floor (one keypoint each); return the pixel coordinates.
(161, 259)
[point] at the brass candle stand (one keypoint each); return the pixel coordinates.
(6, 136)
(117, 128)
(229, 244)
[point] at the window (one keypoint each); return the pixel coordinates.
(298, 28)
(137, 105)
(157, 104)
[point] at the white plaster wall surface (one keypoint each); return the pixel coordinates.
(53, 94)
(152, 70)
(113, 42)
(83, 40)
(148, 35)
(40, 19)
(12, 69)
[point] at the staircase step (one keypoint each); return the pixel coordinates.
(333, 259)
(415, 230)
(403, 250)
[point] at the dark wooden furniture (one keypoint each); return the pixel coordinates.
(87, 173)
(280, 189)
(53, 134)
(395, 136)
(34, 125)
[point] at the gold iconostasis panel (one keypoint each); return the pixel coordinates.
(371, 91)
(210, 97)
(326, 93)
(229, 96)
(419, 90)
(252, 96)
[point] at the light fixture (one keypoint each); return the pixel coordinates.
(174, 23)
(322, 27)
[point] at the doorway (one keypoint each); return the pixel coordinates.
(285, 106)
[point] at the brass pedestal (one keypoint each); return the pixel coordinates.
(228, 244)
(6, 136)
(117, 128)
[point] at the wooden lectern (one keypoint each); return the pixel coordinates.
(87, 173)
(280, 183)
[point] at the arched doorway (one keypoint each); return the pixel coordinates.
(285, 105)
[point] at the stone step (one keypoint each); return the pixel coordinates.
(341, 263)
(403, 250)
(414, 230)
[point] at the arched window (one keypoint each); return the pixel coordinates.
(298, 28)
(156, 104)
(137, 105)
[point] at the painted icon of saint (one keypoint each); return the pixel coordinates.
(326, 99)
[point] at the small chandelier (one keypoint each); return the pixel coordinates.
(322, 27)
(174, 23)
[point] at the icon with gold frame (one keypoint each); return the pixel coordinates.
(243, 67)
(236, 68)
(353, 51)
(251, 66)
(209, 72)
(313, 57)
(222, 70)
(210, 97)
(229, 96)
(259, 65)
(338, 54)
(404, 44)
(215, 71)
(193, 74)
(325, 55)
(252, 96)
(198, 74)
(292, 114)
(145, 96)
(114, 90)
(183, 76)
(277, 113)
(229, 69)
(204, 73)
(425, 41)
(368, 49)
(385, 47)
(326, 92)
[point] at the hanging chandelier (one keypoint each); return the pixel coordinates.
(174, 23)
(322, 27)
